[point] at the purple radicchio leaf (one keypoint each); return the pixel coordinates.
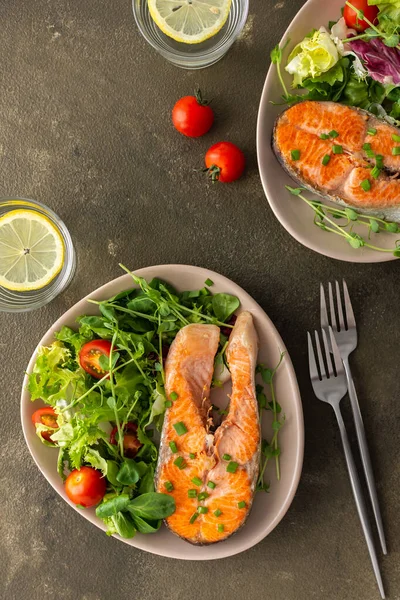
(382, 62)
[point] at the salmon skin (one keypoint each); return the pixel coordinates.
(211, 475)
(361, 137)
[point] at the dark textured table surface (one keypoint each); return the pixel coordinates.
(85, 128)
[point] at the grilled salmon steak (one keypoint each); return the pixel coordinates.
(211, 474)
(344, 154)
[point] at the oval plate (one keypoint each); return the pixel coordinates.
(296, 216)
(268, 509)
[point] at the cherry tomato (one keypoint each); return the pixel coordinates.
(192, 116)
(350, 16)
(131, 443)
(85, 486)
(225, 162)
(89, 356)
(45, 416)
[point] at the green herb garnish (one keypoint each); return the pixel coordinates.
(168, 486)
(366, 185)
(180, 462)
(371, 131)
(333, 134)
(202, 510)
(232, 467)
(220, 527)
(211, 485)
(226, 457)
(173, 446)
(192, 493)
(242, 504)
(396, 151)
(337, 149)
(295, 154)
(180, 428)
(197, 481)
(326, 159)
(218, 512)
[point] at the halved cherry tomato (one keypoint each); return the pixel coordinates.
(85, 486)
(192, 116)
(351, 18)
(225, 162)
(45, 416)
(89, 356)
(131, 443)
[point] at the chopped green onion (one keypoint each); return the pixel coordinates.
(220, 527)
(333, 134)
(192, 493)
(366, 185)
(174, 396)
(226, 457)
(366, 146)
(180, 462)
(295, 154)
(324, 136)
(211, 485)
(371, 131)
(191, 455)
(232, 467)
(173, 447)
(336, 149)
(168, 404)
(203, 495)
(217, 512)
(375, 172)
(202, 510)
(197, 481)
(395, 138)
(379, 161)
(209, 282)
(168, 486)
(242, 504)
(180, 428)
(193, 518)
(326, 159)
(396, 151)
(370, 153)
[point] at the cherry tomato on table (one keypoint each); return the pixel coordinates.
(85, 486)
(192, 116)
(89, 356)
(45, 416)
(351, 18)
(131, 443)
(225, 162)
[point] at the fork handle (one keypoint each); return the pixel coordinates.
(358, 497)
(365, 457)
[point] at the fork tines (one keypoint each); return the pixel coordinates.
(346, 319)
(324, 369)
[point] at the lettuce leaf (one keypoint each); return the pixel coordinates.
(315, 55)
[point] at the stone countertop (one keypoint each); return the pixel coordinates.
(85, 128)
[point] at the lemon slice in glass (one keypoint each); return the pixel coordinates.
(189, 21)
(31, 251)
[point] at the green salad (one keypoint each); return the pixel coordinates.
(103, 387)
(354, 60)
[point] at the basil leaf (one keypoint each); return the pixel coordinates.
(131, 471)
(152, 506)
(146, 526)
(124, 525)
(113, 506)
(224, 305)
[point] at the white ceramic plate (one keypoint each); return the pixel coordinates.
(268, 509)
(292, 212)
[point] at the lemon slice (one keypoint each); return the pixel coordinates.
(189, 21)
(31, 251)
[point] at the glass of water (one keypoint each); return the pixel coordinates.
(192, 56)
(12, 300)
